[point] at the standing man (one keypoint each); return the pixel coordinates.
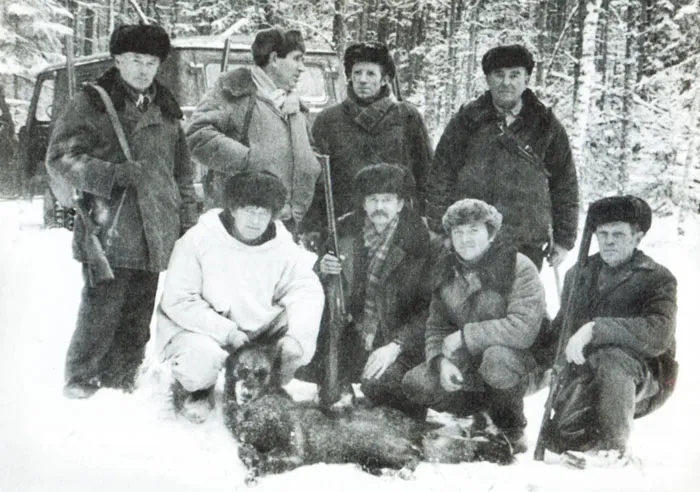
(485, 313)
(369, 127)
(625, 314)
(158, 204)
(384, 261)
(234, 277)
(252, 121)
(509, 150)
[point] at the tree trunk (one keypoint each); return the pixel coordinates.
(601, 60)
(339, 27)
(626, 117)
(578, 50)
(541, 26)
(471, 51)
(586, 82)
(691, 155)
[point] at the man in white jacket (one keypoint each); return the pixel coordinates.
(234, 277)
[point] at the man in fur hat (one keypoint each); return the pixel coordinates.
(369, 127)
(384, 260)
(624, 315)
(158, 204)
(236, 276)
(252, 120)
(485, 313)
(509, 150)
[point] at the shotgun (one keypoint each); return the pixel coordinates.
(98, 265)
(561, 368)
(337, 315)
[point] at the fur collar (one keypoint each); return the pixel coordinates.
(110, 82)
(496, 268)
(239, 83)
(411, 235)
(482, 109)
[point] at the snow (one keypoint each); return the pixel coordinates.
(119, 442)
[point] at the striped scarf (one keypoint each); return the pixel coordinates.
(377, 244)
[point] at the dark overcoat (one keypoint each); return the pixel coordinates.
(528, 173)
(84, 150)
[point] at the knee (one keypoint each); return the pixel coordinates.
(418, 385)
(614, 364)
(196, 365)
(505, 367)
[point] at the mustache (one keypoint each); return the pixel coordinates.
(379, 213)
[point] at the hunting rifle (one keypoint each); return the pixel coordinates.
(561, 368)
(337, 315)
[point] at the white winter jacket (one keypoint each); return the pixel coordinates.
(215, 284)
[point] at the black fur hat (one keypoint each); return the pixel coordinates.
(147, 39)
(369, 52)
(383, 178)
(514, 55)
(627, 208)
(258, 189)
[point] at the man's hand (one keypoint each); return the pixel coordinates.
(330, 264)
(451, 343)
(380, 360)
(577, 343)
(558, 255)
(450, 376)
(236, 338)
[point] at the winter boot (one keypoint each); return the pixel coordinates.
(507, 413)
(80, 390)
(195, 406)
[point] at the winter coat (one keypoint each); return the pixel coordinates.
(405, 294)
(215, 137)
(502, 304)
(395, 135)
(637, 312)
(84, 150)
(216, 284)
(533, 183)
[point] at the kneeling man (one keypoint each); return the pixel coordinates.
(385, 251)
(236, 276)
(486, 311)
(624, 315)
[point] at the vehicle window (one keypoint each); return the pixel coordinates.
(312, 85)
(44, 105)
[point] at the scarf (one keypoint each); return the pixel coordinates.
(377, 244)
(140, 99)
(305, 166)
(368, 116)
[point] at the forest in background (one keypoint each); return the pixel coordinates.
(622, 75)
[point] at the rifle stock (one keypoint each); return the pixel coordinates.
(560, 369)
(330, 390)
(98, 265)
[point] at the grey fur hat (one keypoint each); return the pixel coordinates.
(470, 210)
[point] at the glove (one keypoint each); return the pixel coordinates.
(127, 173)
(236, 339)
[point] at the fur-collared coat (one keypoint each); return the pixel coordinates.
(215, 138)
(501, 302)
(636, 311)
(84, 150)
(534, 189)
(405, 292)
(392, 132)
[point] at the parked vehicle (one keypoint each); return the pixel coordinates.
(193, 66)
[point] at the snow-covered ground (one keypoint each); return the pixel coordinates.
(120, 442)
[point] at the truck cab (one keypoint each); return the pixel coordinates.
(193, 66)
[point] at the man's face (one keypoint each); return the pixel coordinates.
(368, 79)
(250, 222)
(617, 242)
(507, 85)
(471, 240)
(285, 72)
(382, 208)
(137, 69)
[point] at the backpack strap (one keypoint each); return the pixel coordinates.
(247, 119)
(114, 119)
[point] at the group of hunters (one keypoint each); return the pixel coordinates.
(439, 252)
